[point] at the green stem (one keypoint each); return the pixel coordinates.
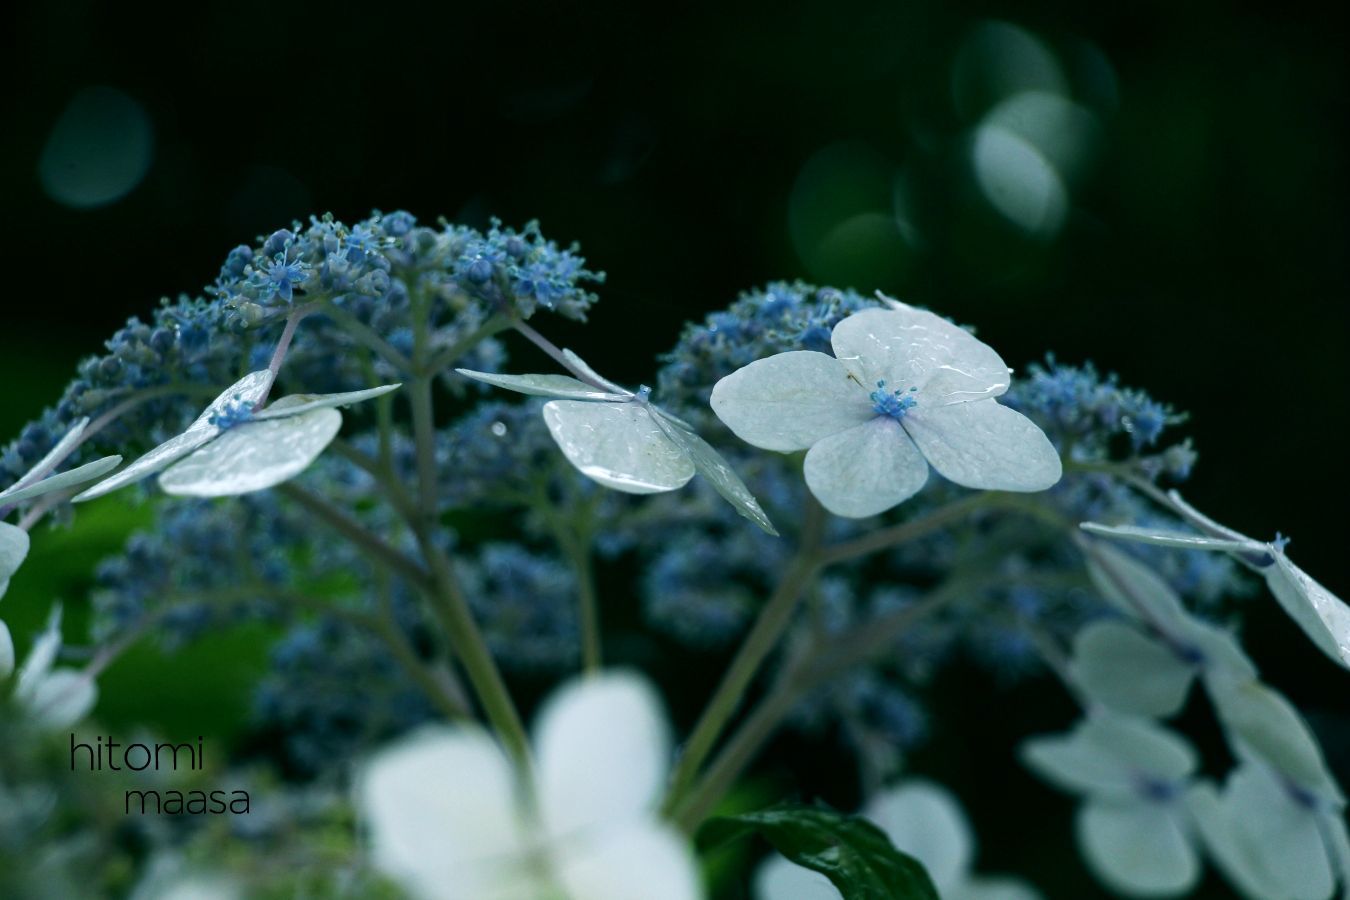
(764, 636)
(357, 533)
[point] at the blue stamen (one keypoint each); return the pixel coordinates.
(894, 404)
(233, 412)
(644, 394)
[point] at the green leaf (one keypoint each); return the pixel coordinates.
(853, 853)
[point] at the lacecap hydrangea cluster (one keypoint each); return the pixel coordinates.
(508, 502)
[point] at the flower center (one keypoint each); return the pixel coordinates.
(232, 413)
(894, 403)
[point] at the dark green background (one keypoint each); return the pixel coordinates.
(1202, 258)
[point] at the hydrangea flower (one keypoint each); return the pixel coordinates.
(922, 819)
(448, 820)
(1133, 827)
(1322, 616)
(54, 698)
(235, 448)
(905, 388)
(1145, 661)
(621, 440)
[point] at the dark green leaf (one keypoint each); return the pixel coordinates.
(853, 853)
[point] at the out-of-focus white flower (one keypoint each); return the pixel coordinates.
(905, 388)
(54, 698)
(449, 819)
(922, 819)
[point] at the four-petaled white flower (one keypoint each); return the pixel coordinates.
(1134, 827)
(904, 388)
(922, 819)
(233, 448)
(448, 818)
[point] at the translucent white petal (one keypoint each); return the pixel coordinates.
(984, 445)
(710, 464)
(992, 889)
(602, 754)
(1223, 658)
(557, 386)
(791, 400)
(59, 699)
(43, 655)
(1322, 615)
(14, 544)
(619, 445)
(79, 475)
(580, 365)
(1117, 665)
(924, 820)
(1266, 843)
(1106, 754)
(1139, 849)
(247, 392)
(441, 811)
(254, 456)
(158, 459)
(1135, 589)
(908, 347)
(641, 859)
(865, 470)
(1164, 538)
(1265, 726)
(778, 878)
(6, 649)
(59, 452)
(296, 404)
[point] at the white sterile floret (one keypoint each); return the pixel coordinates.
(1133, 775)
(1145, 662)
(623, 441)
(904, 389)
(922, 819)
(449, 821)
(54, 698)
(233, 448)
(1323, 616)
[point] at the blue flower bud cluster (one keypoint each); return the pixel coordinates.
(525, 604)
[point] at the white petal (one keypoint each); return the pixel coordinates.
(441, 811)
(992, 889)
(1134, 589)
(924, 820)
(791, 400)
(14, 544)
(1178, 539)
(1128, 671)
(1139, 849)
(295, 404)
(984, 445)
(60, 699)
(602, 753)
(163, 456)
(619, 445)
(558, 386)
(778, 878)
(1266, 727)
(865, 470)
(1322, 615)
(254, 456)
(79, 475)
(43, 655)
(711, 465)
(1264, 843)
(641, 859)
(246, 392)
(908, 347)
(6, 650)
(59, 452)
(580, 365)
(1107, 752)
